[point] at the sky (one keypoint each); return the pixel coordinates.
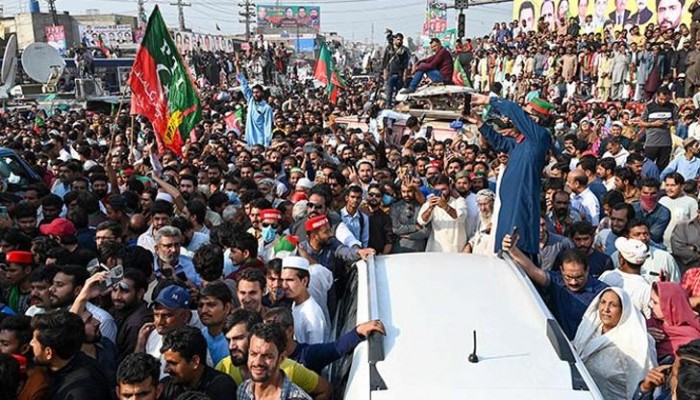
(352, 19)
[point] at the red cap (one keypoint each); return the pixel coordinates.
(316, 222)
(19, 257)
(436, 164)
(58, 227)
(298, 196)
(270, 213)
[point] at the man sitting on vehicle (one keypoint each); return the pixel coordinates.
(438, 67)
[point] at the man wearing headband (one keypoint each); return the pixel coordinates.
(526, 145)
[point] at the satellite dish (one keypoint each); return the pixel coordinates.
(9, 62)
(42, 63)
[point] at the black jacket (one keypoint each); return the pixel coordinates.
(80, 379)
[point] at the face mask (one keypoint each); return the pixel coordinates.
(268, 234)
(559, 126)
(233, 197)
(387, 200)
(648, 202)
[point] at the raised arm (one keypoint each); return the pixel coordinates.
(247, 92)
(522, 121)
(538, 276)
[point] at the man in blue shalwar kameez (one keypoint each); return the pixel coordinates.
(258, 122)
(519, 186)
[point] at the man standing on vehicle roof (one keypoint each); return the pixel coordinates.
(395, 67)
(527, 143)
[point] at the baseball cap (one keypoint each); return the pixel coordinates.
(174, 297)
(58, 227)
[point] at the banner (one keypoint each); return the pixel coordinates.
(188, 41)
(608, 14)
(112, 35)
(56, 38)
(435, 18)
(273, 19)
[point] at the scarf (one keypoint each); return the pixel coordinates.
(680, 324)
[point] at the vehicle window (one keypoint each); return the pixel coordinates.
(12, 172)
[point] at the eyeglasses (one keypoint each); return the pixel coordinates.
(569, 278)
(265, 225)
(374, 194)
(315, 206)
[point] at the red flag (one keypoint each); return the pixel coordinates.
(103, 48)
(162, 89)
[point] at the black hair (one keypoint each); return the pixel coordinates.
(218, 290)
(9, 377)
(18, 240)
(188, 342)
(634, 222)
(199, 209)
(613, 197)
(138, 277)
(190, 178)
(52, 200)
(629, 210)
(574, 256)
(61, 330)
(688, 376)
(274, 266)
(678, 179)
(79, 217)
(650, 182)
(625, 174)
(581, 228)
(208, 262)
(246, 241)
(19, 324)
(77, 273)
(162, 207)
(136, 257)
(23, 210)
(280, 315)
(588, 163)
(182, 224)
(272, 333)
(253, 275)
(42, 274)
(223, 235)
(88, 201)
(113, 227)
(137, 367)
(608, 163)
(241, 315)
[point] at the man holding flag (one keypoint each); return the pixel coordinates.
(326, 73)
(395, 66)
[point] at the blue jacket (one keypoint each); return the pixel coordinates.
(520, 200)
(658, 220)
(316, 356)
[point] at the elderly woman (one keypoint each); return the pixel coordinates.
(612, 341)
(673, 322)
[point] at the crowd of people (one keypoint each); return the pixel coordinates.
(129, 272)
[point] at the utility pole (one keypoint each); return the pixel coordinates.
(181, 12)
(248, 13)
(52, 11)
(142, 14)
(371, 40)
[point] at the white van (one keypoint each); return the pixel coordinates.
(433, 305)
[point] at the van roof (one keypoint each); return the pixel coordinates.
(431, 304)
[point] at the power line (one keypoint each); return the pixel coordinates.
(181, 12)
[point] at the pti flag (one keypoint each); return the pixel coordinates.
(162, 90)
(459, 75)
(326, 73)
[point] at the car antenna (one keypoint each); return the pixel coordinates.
(473, 358)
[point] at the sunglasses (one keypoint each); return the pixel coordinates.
(265, 225)
(315, 206)
(374, 194)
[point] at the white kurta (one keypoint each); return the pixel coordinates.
(310, 325)
(448, 235)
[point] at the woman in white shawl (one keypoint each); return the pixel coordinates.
(612, 341)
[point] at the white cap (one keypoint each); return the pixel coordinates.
(89, 164)
(164, 196)
(632, 250)
(618, 123)
(304, 183)
(295, 262)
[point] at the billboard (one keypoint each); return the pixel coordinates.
(273, 19)
(112, 35)
(186, 41)
(435, 18)
(614, 14)
(56, 38)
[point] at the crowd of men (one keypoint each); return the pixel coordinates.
(129, 272)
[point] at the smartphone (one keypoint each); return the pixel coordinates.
(467, 104)
(512, 233)
(181, 276)
(3, 212)
(429, 132)
(114, 276)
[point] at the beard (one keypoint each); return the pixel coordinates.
(463, 193)
(485, 219)
(239, 358)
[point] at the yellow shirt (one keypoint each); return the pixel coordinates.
(301, 376)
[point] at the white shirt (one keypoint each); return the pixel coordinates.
(620, 157)
(447, 235)
(682, 209)
(108, 327)
(199, 239)
(310, 325)
(155, 342)
(635, 285)
(590, 205)
(320, 283)
(658, 263)
(147, 240)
